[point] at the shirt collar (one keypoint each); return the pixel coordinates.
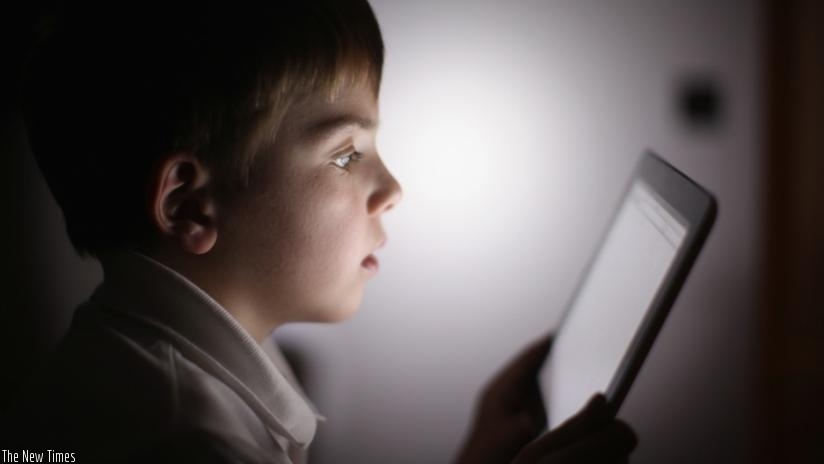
(204, 331)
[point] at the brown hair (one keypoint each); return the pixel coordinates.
(119, 85)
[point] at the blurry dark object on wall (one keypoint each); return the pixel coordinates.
(699, 101)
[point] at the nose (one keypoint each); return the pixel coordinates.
(387, 193)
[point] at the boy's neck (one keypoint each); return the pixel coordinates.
(209, 275)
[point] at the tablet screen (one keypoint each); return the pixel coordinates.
(612, 301)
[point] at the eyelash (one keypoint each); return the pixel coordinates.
(343, 161)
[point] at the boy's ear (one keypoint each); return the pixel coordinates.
(182, 206)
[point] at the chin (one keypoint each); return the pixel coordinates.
(340, 315)
(340, 311)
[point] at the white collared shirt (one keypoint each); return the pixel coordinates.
(151, 357)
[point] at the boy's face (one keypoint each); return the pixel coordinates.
(298, 246)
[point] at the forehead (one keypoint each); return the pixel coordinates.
(317, 116)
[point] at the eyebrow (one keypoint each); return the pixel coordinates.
(325, 128)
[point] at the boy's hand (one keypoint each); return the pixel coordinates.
(511, 415)
(591, 437)
(510, 412)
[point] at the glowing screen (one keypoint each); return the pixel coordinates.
(612, 301)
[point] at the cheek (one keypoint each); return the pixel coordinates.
(325, 232)
(327, 240)
(334, 228)
(297, 247)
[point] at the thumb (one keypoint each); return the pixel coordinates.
(593, 415)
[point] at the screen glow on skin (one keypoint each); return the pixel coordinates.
(300, 246)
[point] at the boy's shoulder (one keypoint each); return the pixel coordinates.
(136, 369)
(113, 389)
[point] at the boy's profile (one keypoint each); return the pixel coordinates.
(219, 159)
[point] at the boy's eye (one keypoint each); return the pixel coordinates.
(343, 161)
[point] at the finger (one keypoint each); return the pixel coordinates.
(525, 365)
(533, 356)
(610, 444)
(593, 416)
(533, 403)
(520, 373)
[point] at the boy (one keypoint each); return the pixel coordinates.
(220, 162)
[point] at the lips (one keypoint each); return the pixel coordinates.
(370, 263)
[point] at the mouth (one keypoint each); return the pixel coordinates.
(370, 263)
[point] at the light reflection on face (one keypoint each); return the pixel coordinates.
(301, 242)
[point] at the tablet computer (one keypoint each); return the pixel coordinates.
(628, 288)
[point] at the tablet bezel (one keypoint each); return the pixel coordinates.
(695, 205)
